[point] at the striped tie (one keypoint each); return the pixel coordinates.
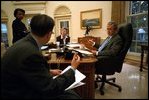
(104, 43)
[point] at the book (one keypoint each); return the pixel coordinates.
(78, 78)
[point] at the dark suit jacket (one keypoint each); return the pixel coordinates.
(61, 40)
(112, 48)
(19, 30)
(25, 73)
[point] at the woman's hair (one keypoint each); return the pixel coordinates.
(41, 24)
(18, 9)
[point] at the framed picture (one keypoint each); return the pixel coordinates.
(91, 18)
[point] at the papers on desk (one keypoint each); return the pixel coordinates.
(73, 45)
(44, 47)
(54, 50)
(78, 78)
(83, 51)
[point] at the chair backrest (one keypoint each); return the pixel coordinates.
(126, 33)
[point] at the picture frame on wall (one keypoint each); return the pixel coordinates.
(91, 18)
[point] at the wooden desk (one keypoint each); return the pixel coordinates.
(143, 48)
(86, 67)
(84, 40)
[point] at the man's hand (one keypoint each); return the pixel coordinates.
(91, 41)
(55, 72)
(75, 61)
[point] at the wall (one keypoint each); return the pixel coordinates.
(8, 8)
(75, 7)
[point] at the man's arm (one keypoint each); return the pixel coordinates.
(35, 72)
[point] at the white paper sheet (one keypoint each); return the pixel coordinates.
(54, 50)
(84, 51)
(75, 85)
(78, 78)
(73, 45)
(44, 47)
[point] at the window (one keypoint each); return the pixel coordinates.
(64, 24)
(4, 36)
(138, 16)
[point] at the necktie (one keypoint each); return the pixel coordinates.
(104, 43)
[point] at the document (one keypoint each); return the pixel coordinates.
(73, 45)
(54, 50)
(84, 51)
(44, 47)
(78, 78)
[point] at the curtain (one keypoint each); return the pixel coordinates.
(118, 11)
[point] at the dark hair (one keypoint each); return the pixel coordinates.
(41, 24)
(18, 9)
(65, 28)
(114, 24)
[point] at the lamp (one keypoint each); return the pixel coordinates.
(141, 31)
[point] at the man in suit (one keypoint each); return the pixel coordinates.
(26, 74)
(63, 38)
(111, 45)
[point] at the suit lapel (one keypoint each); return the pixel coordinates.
(110, 42)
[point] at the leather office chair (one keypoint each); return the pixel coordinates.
(110, 65)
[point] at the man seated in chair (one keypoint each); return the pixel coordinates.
(111, 53)
(112, 44)
(110, 48)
